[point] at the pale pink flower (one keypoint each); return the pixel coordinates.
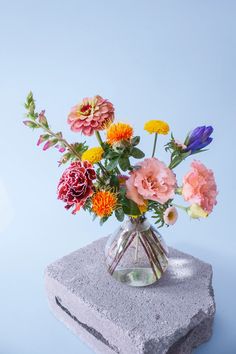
(170, 215)
(199, 187)
(91, 115)
(153, 181)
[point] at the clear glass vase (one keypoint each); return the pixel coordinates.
(136, 253)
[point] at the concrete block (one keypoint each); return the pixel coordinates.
(172, 316)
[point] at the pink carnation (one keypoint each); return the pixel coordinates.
(75, 185)
(90, 115)
(199, 186)
(153, 181)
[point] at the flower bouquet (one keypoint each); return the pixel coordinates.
(108, 180)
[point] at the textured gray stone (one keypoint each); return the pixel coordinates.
(171, 317)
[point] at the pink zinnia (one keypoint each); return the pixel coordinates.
(153, 181)
(75, 185)
(199, 186)
(90, 115)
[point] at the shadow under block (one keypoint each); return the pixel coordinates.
(172, 316)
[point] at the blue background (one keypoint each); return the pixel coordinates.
(170, 60)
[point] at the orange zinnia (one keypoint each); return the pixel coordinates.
(104, 203)
(118, 132)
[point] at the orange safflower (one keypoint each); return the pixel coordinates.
(104, 203)
(118, 132)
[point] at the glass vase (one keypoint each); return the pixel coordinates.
(136, 253)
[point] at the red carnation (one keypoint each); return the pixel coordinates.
(75, 185)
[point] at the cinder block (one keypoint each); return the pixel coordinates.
(172, 316)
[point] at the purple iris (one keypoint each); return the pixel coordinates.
(198, 139)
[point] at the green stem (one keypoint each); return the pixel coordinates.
(179, 190)
(179, 206)
(30, 106)
(98, 136)
(117, 171)
(136, 249)
(62, 140)
(104, 170)
(155, 144)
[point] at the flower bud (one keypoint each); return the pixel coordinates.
(196, 212)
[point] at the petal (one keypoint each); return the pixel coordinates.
(196, 134)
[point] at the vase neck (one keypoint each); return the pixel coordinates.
(137, 220)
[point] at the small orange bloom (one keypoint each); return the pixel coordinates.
(118, 132)
(104, 203)
(144, 207)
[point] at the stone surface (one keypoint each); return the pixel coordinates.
(173, 316)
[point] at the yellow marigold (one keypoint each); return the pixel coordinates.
(118, 132)
(157, 126)
(104, 203)
(93, 155)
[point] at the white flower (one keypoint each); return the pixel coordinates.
(170, 215)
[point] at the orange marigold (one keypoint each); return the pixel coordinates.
(104, 203)
(118, 132)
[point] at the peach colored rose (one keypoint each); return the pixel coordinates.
(153, 181)
(199, 187)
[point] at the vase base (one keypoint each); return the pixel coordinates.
(136, 254)
(135, 276)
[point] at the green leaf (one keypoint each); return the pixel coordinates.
(94, 217)
(32, 116)
(186, 141)
(124, 163)
(59, 135)
(114, 181)
(137, 153)
(135, 141)
(43, 120)
(176, 160)
(111, 154)
(198, 151)
(103, 220)
(185, 154)
(31, 124)
(119, 213)
(122, 192)
(112, 164)
(130, 207)
(80, 148)
(65, 158)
